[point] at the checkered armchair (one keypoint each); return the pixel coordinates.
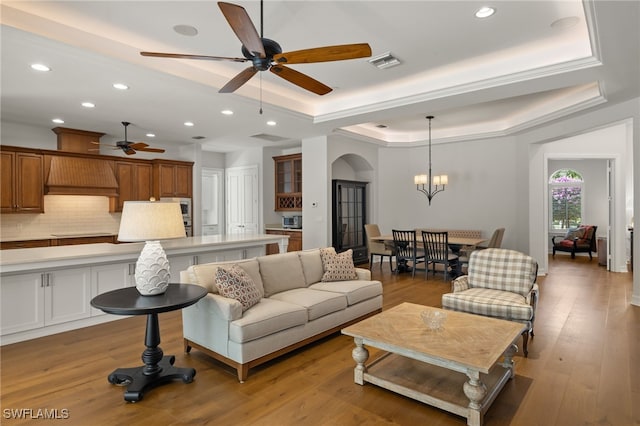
(501, 284)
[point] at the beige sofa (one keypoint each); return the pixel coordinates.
(296, 308)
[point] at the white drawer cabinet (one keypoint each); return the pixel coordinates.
(109, 277)
(41, 299)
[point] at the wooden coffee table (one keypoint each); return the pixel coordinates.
(460, 368)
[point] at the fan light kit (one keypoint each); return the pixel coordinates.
(131, 148)
(265, 54)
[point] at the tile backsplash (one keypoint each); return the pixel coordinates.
(63, 214)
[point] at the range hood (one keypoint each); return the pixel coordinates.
(70, 175)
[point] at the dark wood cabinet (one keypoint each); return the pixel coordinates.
(349, 206)
(22, 182)
(288, 181)
(295, 241)
(172, 179)
(135, 183)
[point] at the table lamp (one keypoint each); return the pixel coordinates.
(151, 221)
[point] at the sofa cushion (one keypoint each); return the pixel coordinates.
(311, 265)
(205, 274)
(317, 303)
(339, 267)
(235, 283)
(356, 291)
(267, 317)
(489, 302)
(281, 272)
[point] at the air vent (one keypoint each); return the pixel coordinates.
(268, 137)
(386, 60)
(197, 137)
(381, 126)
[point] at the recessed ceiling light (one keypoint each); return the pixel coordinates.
(58, 120)
(188, 123)
(271, 123)
(185, 30)
(227, 112)
(88, 104)
(485, 12)
(40, 67)
(120, 86)
(151, 135)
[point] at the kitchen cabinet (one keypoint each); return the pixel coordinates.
(83, 240)
(288, 182)
(7, 245)
(22, 182)
(109, 277)
(135, 183)
(41, 299)
(172, 179)
(295, 241)
(182, 262)
(349, 207)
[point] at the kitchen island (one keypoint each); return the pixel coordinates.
(47, 290)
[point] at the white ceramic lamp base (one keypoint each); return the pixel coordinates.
(152, 270)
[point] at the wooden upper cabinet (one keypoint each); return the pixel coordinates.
(288, 181)
(172, 179)
(135, 182)
(22, 182)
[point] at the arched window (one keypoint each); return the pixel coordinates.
(565, 199)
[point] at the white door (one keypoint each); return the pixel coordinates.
(212, 201)
(242, 192)
(22, 302)
(67, 295)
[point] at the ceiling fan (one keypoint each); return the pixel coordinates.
(131, 148)
(266, 54)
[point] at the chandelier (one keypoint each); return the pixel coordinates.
(428, 184)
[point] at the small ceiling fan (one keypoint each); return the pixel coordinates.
(131, 148)
(266, 54)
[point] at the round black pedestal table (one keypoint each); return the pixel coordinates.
(158, 368)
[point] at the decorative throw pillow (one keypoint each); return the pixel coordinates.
(339, 267)
(235, 283)
(574, 233)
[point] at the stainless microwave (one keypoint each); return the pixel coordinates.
(292, 222)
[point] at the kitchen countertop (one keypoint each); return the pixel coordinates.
(39, 258)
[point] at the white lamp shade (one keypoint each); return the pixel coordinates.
(436, 180)
(150, 220)
(420, 179)
(444, 180)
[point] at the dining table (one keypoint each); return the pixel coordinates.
(455, 244)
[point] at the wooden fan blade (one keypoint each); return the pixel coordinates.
(128, 150)
(185, 56)
(238, 80)
(242, 25)
(151, 149)
(300, 79)
(324, 54)
(138, 145)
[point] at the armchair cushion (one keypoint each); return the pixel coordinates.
(491, 303)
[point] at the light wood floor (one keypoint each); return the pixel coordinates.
(583, 369)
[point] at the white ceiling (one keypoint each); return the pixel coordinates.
(480, 78)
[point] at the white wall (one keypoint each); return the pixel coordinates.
(316, 207)
(482, 192)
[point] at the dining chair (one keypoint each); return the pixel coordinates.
(407, 250)
(377, 248)
(494, 242)
(436, 248)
